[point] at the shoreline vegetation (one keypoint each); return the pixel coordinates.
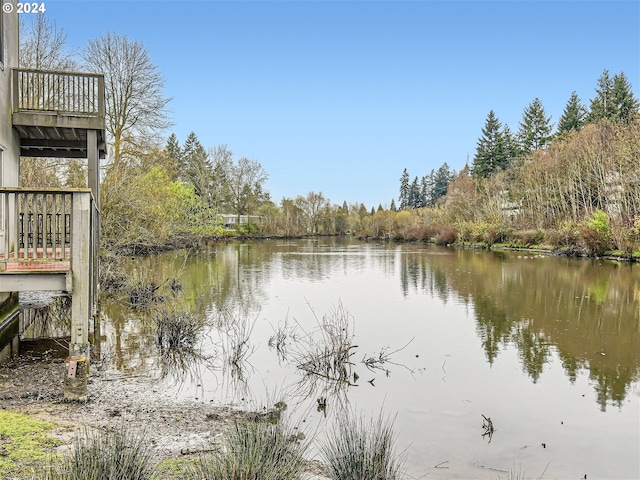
(580, 196)
(576, 250)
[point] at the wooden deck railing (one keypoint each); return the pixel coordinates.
(37, 224)
(45, 225)
(60, 92)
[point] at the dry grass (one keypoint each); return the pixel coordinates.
(254, 450)
(104, 455)
(356, 449)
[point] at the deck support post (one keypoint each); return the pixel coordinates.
(75, 386)
(93, 182)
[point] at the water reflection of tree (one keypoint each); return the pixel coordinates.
(532, 347)
(575, 309)
(609, 388)
(584, 311)
(414, 276)
(493, 327)
(496, 330)
(208, 279)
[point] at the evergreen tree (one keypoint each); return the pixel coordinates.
(603, 106)
(380, 209)
(404, 190)
(491, 153)
(345, 208)
(625, 104)
(427, 188)
(511, 145)
(423, 191)
(174, 152)
(415, 194)
(197, 168)
(373, 211)
(362, 211)
(443, 176)
(393, 206)
(535, 128)
(574, 115)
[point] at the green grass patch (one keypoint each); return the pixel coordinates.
(24, 443)
(174, 468)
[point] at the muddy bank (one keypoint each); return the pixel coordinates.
(174, 428)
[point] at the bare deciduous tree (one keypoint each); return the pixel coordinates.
(222, 161)
(313, 206)
(136, 104)
(43, 46)
(245, 183)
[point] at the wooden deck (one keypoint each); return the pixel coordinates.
(54, 111)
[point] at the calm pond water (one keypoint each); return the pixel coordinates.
(548, 348)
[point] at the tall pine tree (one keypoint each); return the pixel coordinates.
(415, 194)
(197, 167)
(510, 144)
(574, 115)
(428, 182)
(173, 148)
(491, 152)
(625, 103)
(443, 176)
(535, 128)
(602, 105)
(404, 190)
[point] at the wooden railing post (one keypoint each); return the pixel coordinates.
(101, 103)
(75, 387)
(9, 217)
(15, 90)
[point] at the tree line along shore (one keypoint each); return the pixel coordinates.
(575, 189)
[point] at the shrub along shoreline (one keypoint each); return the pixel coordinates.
(527, 241)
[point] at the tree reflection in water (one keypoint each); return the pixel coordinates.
(581, 311)
(584, 311)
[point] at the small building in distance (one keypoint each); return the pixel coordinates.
(231, 220)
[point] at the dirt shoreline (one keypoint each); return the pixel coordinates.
(174, 428)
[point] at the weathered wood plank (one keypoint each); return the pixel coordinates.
(34, 281)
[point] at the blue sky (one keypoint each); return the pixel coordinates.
(341, 96)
